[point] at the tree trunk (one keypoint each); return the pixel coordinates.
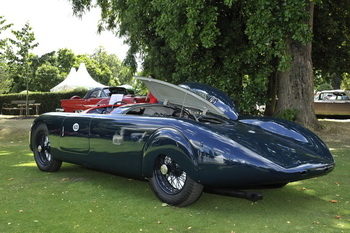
(272, 90)
(27, 97)
(296, 83)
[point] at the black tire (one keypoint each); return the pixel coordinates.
(172, 185)
(42, 150)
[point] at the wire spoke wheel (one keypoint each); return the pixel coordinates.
(41, 146)
(171, 183)
(170, 176)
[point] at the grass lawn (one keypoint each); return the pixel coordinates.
(76, 199)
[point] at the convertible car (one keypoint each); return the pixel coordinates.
(100, 96)
(193, 139)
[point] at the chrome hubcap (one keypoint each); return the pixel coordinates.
(164, 169)
(44, 148)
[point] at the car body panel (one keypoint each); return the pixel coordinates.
(332, 102)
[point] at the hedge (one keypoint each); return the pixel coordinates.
(50, 101)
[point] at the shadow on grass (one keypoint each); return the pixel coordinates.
(276, 199)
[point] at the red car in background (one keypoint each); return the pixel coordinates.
(100, 96)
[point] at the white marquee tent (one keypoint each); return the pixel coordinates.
(80, 78)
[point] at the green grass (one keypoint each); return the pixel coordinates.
(76, 199)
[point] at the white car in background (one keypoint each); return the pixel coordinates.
(332, 102)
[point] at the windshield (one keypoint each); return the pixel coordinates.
(117, 90)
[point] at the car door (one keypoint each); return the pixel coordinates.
(116, 143)
(75, 134)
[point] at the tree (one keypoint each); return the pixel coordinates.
(188, 41)
(288, 30)
(231, 44)
(296, 82)
(65, 61)
(3, 27)
(4, 75)
(4, 78)
(20, 63)
(51, 68)
(331, 42)
(120, 73)
(20, 58)
(346, 81)
(98, 73)
(46, 77)
(20, 69)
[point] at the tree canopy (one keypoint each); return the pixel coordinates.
(19, 57)
(252, 50)
(331, 41)
(4, 74)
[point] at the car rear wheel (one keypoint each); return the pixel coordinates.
(172, 185)
(42, 150)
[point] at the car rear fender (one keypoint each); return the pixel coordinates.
(54, 125)
(34, 124)
(171, 142)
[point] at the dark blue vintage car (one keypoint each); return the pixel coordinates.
(193, 138)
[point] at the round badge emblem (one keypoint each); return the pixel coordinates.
(76, 127)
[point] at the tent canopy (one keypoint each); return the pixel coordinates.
(80, 78)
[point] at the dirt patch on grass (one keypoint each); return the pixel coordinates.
(14, 127)
(337, 131)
